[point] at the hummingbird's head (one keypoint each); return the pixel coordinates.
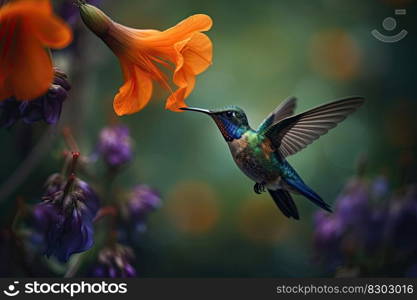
(231, 120)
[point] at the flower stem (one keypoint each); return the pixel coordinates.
(69, 139)
(75, 156)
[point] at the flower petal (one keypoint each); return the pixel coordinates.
(186, 81)
(26, 28)
(51, 31)
(197, 53)
(193, 57)
(187, 27)
(25, 8)
(32, 72)
(135, 92)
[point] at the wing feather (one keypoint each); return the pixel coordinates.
(294, 133)
(284, 110)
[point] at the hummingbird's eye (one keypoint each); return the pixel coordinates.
(230, 114)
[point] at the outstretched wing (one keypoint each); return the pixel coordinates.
(294, 133)
(284, 110)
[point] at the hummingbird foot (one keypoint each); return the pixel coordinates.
(259, 188)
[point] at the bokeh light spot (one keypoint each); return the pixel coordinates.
(193, 207)
(335, 54)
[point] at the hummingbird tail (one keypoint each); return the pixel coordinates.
(285, 203)
(307, 192)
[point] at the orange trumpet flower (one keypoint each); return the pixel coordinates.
(142, 53)
(27, 28)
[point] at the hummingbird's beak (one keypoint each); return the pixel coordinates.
(205, 111)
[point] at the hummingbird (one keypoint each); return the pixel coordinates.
(261, 154)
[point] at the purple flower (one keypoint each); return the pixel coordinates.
(328, 235)
(370, 231)
(64, 218)
(53, 186)
(115, 145)
(353, 205)
(93, 203)
(115, 262)
(380, 187)
(142, 201)
(47, 107)
(65, 233)
(402, 222)
(355, 227)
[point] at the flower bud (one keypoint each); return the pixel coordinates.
(115, 145)
(115, 261)
(95, 19)
(141, 202)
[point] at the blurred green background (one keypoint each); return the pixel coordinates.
(212, 223)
